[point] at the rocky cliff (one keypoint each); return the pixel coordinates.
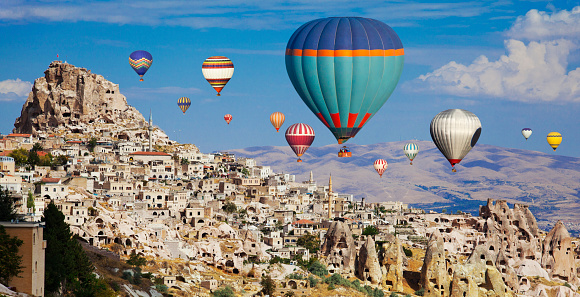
(72, 100)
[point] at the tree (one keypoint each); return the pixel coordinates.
(224, 292)
(37, 147)
(309, 241)
(46, 160)
(10, 261)
(30, 201)
(136, 260)
(7, 209)
(20, 156)
(68, 269)
(60, 160)
(230, 207)
(33, 159)
(370, 230)
(268, 285)
(92, 144)
(184, 161)
(318, 269)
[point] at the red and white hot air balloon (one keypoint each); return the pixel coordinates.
(228, 117)
(277, 120)
(300, 137)
(380, 166)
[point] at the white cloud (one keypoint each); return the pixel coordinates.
(541, 25)
(11, 89)
(536, 72)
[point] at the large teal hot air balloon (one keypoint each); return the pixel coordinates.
(344, 69)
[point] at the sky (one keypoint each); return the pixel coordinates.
(515, 64)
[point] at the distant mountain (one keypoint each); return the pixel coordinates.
(548, 183)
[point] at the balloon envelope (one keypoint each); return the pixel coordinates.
(140, 61)
(183, 103)
(411, 150)
(527, 132)
(217, 70)
(554, 139)
(344, 69)
(277, 120)
(380, 166)
(300, 137)
(455, 132)
(228, 117)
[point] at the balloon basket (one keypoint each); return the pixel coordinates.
(453, 170)
(411, 163)
(344, 154)
(298, 160)
(218, 94)
(141, 80)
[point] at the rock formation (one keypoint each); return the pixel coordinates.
(70, 99)
(392, 260)
(435, 278)
(558, 254)
(367, 264)
(514, 232)
(339, 248)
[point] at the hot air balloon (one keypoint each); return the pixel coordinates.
(455, 132)
(183, 103)
(344, 69)
(140, 61)
(277, 120)
(217, 70)
(228, 117)
(300, 137)
(380, 166)
(411, 150)
(527, 132)
(554, 139)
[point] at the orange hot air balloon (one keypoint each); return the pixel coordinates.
(228, 117)
(277, 120)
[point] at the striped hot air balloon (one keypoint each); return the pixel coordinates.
(344, 69)
(300, 137)
(554, 139)
(218, 70)
(277, 120)
(228, 117)
(411, 151)
(183, 103)
(455, 132)
(140, 61)
(380, 166)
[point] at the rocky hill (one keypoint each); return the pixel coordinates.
(548, 183)
(72, 100)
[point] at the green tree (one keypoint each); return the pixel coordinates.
(318, 269)
(92, 144)
(136, 260)
(309, 241)
(37, 147)
(30, 201)
(7, 210)
(33, 159)
(10, 261)
(184, 161)
(268, 285)
(224, 292)
(20, 156)
(230, 207)
(370, 230)
(60, 160)
(68, 270)
(46, 160)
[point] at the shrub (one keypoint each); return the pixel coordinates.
(224, 292)
(393, 294)
(330, 287)
(420, 292)
(313, 281)
(318, 269)
(408, 252)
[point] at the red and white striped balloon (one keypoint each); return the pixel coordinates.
(380, 166)
(228, 117)
(300, 137)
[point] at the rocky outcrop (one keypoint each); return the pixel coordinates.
(558, 254)
(514, 232)
(435, 278)
(70, 99)
(339, 248)
(392, 261)
(367, 264)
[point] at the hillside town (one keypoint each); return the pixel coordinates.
(204, 221)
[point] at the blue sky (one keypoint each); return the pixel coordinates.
(514, 64)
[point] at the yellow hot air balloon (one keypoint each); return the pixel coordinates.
(554, 139)
(277, 119)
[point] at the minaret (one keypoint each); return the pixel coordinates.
(150, 129)
(311, 180)
(330, 197)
